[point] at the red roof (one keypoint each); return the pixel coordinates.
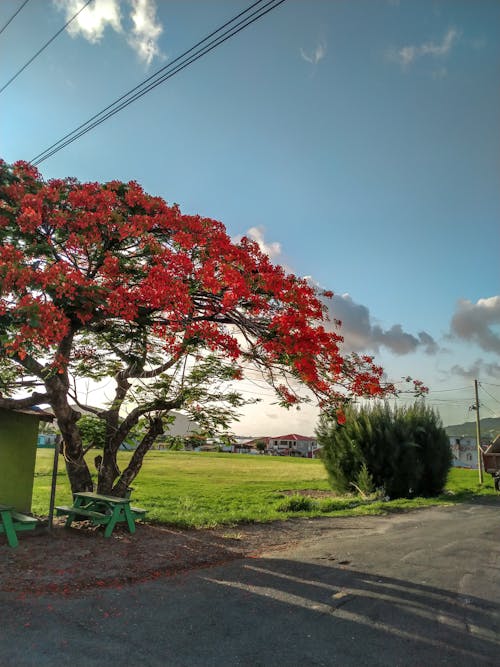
(292, 436)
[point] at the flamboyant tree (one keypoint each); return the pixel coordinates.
(105, 281)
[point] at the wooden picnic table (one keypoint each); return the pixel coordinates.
(101, 510)
(12, 522)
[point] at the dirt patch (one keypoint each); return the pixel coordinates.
(310, 493)
(66, 561)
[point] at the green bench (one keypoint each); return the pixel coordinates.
(138, 512)
(12, 522)
(97, 517)
(101, 510)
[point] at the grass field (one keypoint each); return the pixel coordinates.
(191, 489)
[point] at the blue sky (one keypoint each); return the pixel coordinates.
(358, 141)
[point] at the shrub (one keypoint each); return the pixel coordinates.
(297, 503)
(404, 450)
(364, 481)
(337, 504)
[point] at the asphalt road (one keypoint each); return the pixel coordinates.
(420, 589)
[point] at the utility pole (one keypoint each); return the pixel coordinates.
(478, 436)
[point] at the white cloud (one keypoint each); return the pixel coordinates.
(272, 250)
(146, 31)
(406, 55)
(315, 56)
(93, 21)
(479, 368)
(143, 35)
(362, 335)
(359, 332)
(475, 322)
(431, 49)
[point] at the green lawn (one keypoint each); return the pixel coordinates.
(194, 489)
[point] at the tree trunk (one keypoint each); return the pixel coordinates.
(78, 472)
(76, 466)
(108, 470)
(133, 468)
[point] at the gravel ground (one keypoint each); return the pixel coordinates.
(71, 560)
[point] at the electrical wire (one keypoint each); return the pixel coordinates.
(206, 49)
(490, 395)
(40, 50)
(14, 15)
(127, 99)
(150, 78)
(451, 400)
(483, 405)
(440, 391)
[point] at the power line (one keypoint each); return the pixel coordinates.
(450, 400)
(14, 15)
(140, 85)
(483, 405)
(439, 391)
(184, 60)
(198, 54)
(19, 71)
(490, 395)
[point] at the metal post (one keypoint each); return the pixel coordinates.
(54, 483)
(478, 437)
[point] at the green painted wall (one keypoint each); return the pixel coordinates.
(18, 437)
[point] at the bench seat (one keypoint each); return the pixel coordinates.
(13, 522)
(138, 512)
(28, 522)
(81, 511)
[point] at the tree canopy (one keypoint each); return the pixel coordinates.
(105, 281)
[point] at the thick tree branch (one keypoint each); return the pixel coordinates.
(158, 370)
(158, 405)
(130, 473)
(87, 408)
(20, 403)
(31, 365)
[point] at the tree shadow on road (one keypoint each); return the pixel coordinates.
(404, 622)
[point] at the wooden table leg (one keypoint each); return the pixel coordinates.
(130, 519)
(77, 502)
(10, 531)
(115, 517)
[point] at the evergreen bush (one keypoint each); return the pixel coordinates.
(404, 450)
(297, 503)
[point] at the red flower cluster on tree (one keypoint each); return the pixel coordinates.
(94, 265)
(78, 256)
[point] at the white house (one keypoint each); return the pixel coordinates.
(181, 426)
(464, 452)
(293, 444)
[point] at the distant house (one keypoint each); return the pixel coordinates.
(47, 440)
(245, 445)
(293, 444)
(181, 427)
(464, 451)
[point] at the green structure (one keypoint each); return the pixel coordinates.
(18, 440)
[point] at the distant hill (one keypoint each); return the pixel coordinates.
(490, 427)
